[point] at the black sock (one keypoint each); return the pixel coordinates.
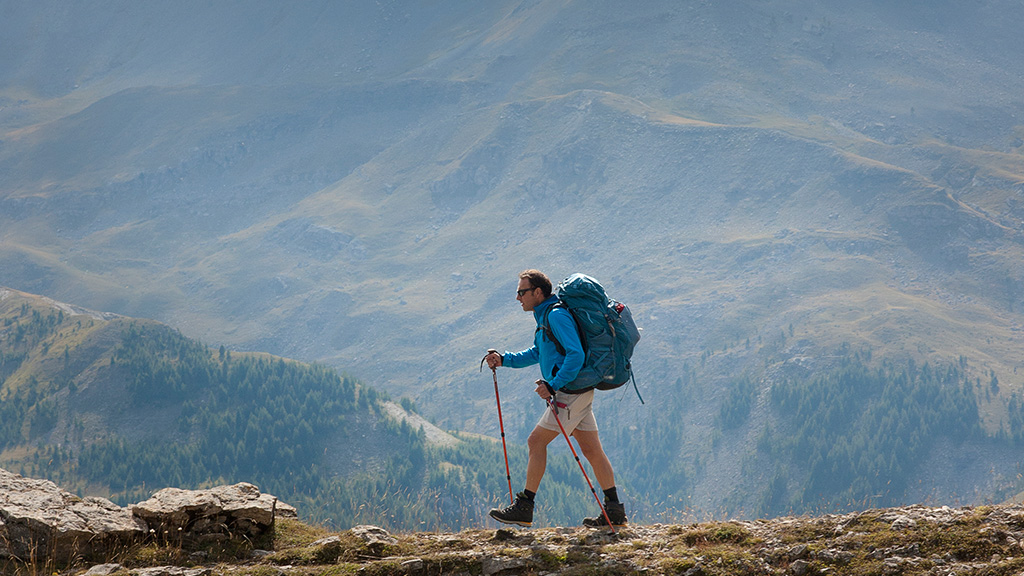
(611, 494)
(529, 495)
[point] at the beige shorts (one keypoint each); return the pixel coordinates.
(575, 411)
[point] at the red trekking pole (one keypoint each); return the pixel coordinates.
(501, 423)
(554, 410)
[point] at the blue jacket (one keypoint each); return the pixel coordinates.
(557, 369)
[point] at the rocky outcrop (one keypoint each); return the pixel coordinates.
(39, 520)
(377, 539)
(219, 513)
(906, 540)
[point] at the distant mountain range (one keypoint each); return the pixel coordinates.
(777, 189)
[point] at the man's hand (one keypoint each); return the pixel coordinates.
(542, 390)
(493, 359)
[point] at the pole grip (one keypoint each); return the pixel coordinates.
(484, 359)
(548, 386)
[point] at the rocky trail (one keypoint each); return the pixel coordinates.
(239, 531)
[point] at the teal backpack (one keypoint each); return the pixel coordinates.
(606, 330)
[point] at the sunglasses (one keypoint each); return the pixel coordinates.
(519, 293)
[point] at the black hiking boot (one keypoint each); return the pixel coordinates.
(519, 513)
(616, 513)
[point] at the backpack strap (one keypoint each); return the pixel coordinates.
(547, 329)
(633, 378)
(561, 349)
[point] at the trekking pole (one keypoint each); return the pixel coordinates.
(501, 423)
(554, 410)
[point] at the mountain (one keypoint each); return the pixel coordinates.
(785, 193)
(111, 404)
(118, 407)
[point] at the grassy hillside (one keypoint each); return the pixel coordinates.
(769, 185)
(121, 407)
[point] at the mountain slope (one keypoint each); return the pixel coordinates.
(119, 407)
(358, 185)
(116, 403)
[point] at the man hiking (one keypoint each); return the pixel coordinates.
(574, 409)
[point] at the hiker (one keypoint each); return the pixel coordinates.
(575, 410)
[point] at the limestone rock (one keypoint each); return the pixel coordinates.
(38, 519)
(326, 550)
(220, 512)
(377, 539)
(103, 570)
(493, 565)
(798, 552)
(285, 510)
(800, 567)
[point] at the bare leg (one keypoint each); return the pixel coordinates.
(535, 466)
(590, 445)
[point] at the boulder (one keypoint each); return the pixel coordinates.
(376, 538)
(39, 520)
(220, 513)
(326, 550)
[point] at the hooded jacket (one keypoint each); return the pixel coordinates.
(556, 368)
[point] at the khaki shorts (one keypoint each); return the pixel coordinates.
(576, 414)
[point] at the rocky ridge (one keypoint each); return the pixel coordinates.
(908, 540)
(145, 540)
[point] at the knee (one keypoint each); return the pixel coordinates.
(537, 441)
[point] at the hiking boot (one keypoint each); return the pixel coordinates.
(520, 512)
(616, 513)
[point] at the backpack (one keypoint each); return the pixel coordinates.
(607, 333)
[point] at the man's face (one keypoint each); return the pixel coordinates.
(529, 297)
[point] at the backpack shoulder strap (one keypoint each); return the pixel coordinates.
(544, 325)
